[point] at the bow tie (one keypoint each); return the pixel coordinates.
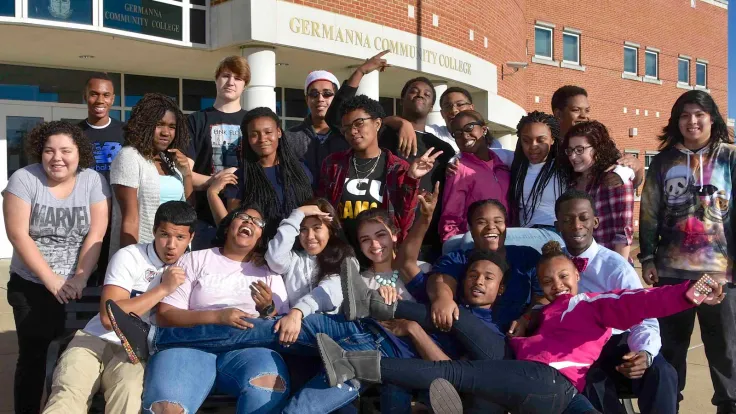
(580, 263)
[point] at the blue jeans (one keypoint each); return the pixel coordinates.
(185, 377)
(515, 236)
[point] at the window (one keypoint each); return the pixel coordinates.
(630, 60)
(543, 42)
(198, 94)
(683, 71)
(28, 83)
(701, 74)
(137, 85)
(651, 66)
(571, 48)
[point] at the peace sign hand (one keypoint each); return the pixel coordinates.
(428, 201)
(422, 165)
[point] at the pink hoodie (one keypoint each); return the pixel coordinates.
(573, 329)
(475, 180)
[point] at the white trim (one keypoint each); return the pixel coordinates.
(636, 60)
(684, 86)
(572, 66)
(545, 61)
(681, 56)
(699, 60)
(632, 44)
(544, 24)
(630, 76)
(560, 365)
(577, 36)
(573, 30)
(718, 3)
(653, 49)
(656, 64)
(551, 42)
(654, 81)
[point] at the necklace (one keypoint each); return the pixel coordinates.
(369, 172)
(391, 281)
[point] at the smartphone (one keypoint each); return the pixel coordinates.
(167, 163)
(699, 290)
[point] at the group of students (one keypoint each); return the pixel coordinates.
(378, 245)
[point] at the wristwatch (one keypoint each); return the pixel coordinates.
(650, 359)
(267, 310)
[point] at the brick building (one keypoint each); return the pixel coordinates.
(633, 56)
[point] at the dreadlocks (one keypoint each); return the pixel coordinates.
(141, 128)
(527, 206)
(294, 181)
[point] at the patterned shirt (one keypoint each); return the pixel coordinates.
(615, 210)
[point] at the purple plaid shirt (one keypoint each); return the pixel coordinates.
(615, 210)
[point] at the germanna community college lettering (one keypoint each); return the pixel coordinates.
(144, 17)
(356, 38)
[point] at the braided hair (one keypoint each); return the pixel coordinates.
(294, 181)
(520, 166)
(141, 127)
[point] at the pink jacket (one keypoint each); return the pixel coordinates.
(573, 345)
(475, 180)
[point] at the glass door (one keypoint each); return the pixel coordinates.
(71, 115)
(16, 121)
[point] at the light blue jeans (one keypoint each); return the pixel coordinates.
(185, 376)
(515, 236)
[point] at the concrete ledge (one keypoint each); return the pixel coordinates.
(684, 86)
(630, 76)
(652, 80)
(545, 61)
(572, 66)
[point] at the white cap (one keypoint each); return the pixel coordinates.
(319, 75)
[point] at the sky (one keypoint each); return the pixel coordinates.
(732, 60)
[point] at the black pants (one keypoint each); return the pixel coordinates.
(718, 332)
(39, 318)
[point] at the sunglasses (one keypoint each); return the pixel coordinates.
(314, 94)
(255, 220)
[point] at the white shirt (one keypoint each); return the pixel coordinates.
(544, 212)
(441, 132)
(135, 268)
(607, 271)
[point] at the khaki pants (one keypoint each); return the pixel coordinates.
(88, 363)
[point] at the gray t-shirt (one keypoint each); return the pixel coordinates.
(58, 227)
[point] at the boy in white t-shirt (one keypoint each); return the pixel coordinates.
(138, 277)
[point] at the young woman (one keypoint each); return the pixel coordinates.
(687, 231)
(224, 286)
(271, 175)
(149, 170)
(55, 214)
(481, 174)
(552, 362)
(589, 154)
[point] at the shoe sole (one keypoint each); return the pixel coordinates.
(443, 398)
(329, 369)
(132, 357)
(349, 308)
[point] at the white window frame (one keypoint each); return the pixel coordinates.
(635, 153)
(636, 60)
(656, 64)
(705, 66)
(575, 35)
(686, 60)
(551, 42)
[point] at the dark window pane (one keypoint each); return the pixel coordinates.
(543, 42)
(296, 105)
(7, 8)
(629, 60)
(570, 48)
(70, 11)
(651, 65)
(115, 115)
(198, 2)
(399, 107)
(28, 83)
(388, 105)
(683, 71)
(16, 130)
(198, 94)
(136, 86)
(700, 74)
(198, 26)
(288, 123)
(279, 103)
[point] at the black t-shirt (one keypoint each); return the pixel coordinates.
(362, 193)
(214, 145)
(107, 142)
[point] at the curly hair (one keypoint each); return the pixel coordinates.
(550, 250)
(258, 253)
(370, 106)
(605, 153)
(671, 134)
(146, 115)
(337, 249)
(520, 166)
(36, 140)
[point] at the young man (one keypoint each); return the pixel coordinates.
(106, 134)
(215, 140)
(313, 140)
(138, 277)
(629, 359)
(365, 176)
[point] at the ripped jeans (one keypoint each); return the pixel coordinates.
(185, 377)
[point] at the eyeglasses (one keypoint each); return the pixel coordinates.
(314, 94)
(356, 124)
(255, 220)
(459, 105)
(579, 150)
(467, 128)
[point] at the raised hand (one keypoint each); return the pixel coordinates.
(428, 201)
(423, 165)
(219, 181)
(377, 62)
(312, 210)
(181, 161)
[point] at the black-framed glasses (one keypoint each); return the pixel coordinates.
(255, 220)
(579, 150)
(459, 105)
(467, 128)
(314, 94)
(356, 124)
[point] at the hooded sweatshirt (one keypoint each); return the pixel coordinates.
(685, 220)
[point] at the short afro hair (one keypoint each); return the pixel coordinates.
(456, 89)
(476, 255)
(420, 79)
(36, 140)
(371, 106)
(562, 95)
(573, 194)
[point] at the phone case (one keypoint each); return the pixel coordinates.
(700, 290)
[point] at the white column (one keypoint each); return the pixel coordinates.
(369, 85)
(435, 117)
(261, 90)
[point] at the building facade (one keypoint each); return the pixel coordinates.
(633, 57)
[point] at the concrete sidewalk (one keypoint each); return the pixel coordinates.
(697, 394)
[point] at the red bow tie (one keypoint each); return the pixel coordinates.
(580, 263)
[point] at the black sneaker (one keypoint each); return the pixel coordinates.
(131, 330)
(443, 398)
